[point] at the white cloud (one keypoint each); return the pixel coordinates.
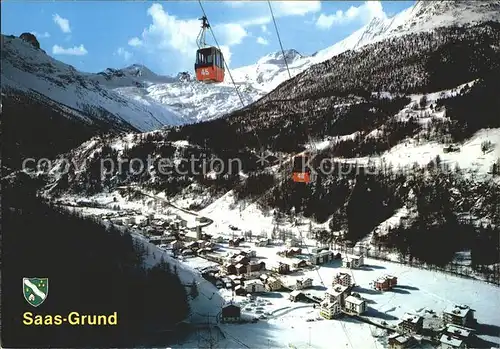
(135, 42)
(261, 20)
(295, 8)
(43, 35)
(234, 4)
(262, 41)
(363, 13)
(71, 51)
(123, 53)
(230, 33)
(174, 40)
(63, 23)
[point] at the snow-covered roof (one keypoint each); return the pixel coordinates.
(402, 339)
(323, 253)
(410, 318)
(253, 282)
(354, 300)
(457, 310)
(342, 275)
(454, 342)
(459, 330)
(295, 293)
(336, 291)
(327, 304)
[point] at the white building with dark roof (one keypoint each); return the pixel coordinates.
(460, 332)
(254, 286)
(352, 262)
(329, 310)
(411, 323)
(338, 293)
(460, 315)
(355, 305)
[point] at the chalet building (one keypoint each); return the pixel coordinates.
(329, 310)
(463, 333)
(460, 315)
(240, 259)
(229, 268)
(411, 323)
(299, 263)
(249, 253)
(353, 262)
(450, 342)
(297, 296)
(355, 305)
(254, 286)
(385, 283)
(292, 252)
(303, 283)
(281, 268)
(321, 257)
(230, 313)
(240, 290)
(401, 341)
(241, 268)
(343, 279)
(273, 284)
(338, 294)
(234, 243)
(255, 266)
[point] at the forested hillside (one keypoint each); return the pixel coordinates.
(91, 270)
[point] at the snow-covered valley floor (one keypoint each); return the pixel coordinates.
(298, 325)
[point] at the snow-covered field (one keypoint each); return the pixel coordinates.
(289, 324)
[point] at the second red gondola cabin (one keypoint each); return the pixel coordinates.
(300, 172)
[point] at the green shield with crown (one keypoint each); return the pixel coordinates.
(35, 290)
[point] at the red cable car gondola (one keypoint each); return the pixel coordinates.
(209, 64)
(301, 173)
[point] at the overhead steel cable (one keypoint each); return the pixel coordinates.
(228, 71)
(279, 38)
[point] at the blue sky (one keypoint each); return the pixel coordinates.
(95, 35)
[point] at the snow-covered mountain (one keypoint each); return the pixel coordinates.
(422, 16)
(195, 101)
(27, 69)
(270, 71)
(147, 100)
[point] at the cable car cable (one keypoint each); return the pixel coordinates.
(279, 38)
(228, 70)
